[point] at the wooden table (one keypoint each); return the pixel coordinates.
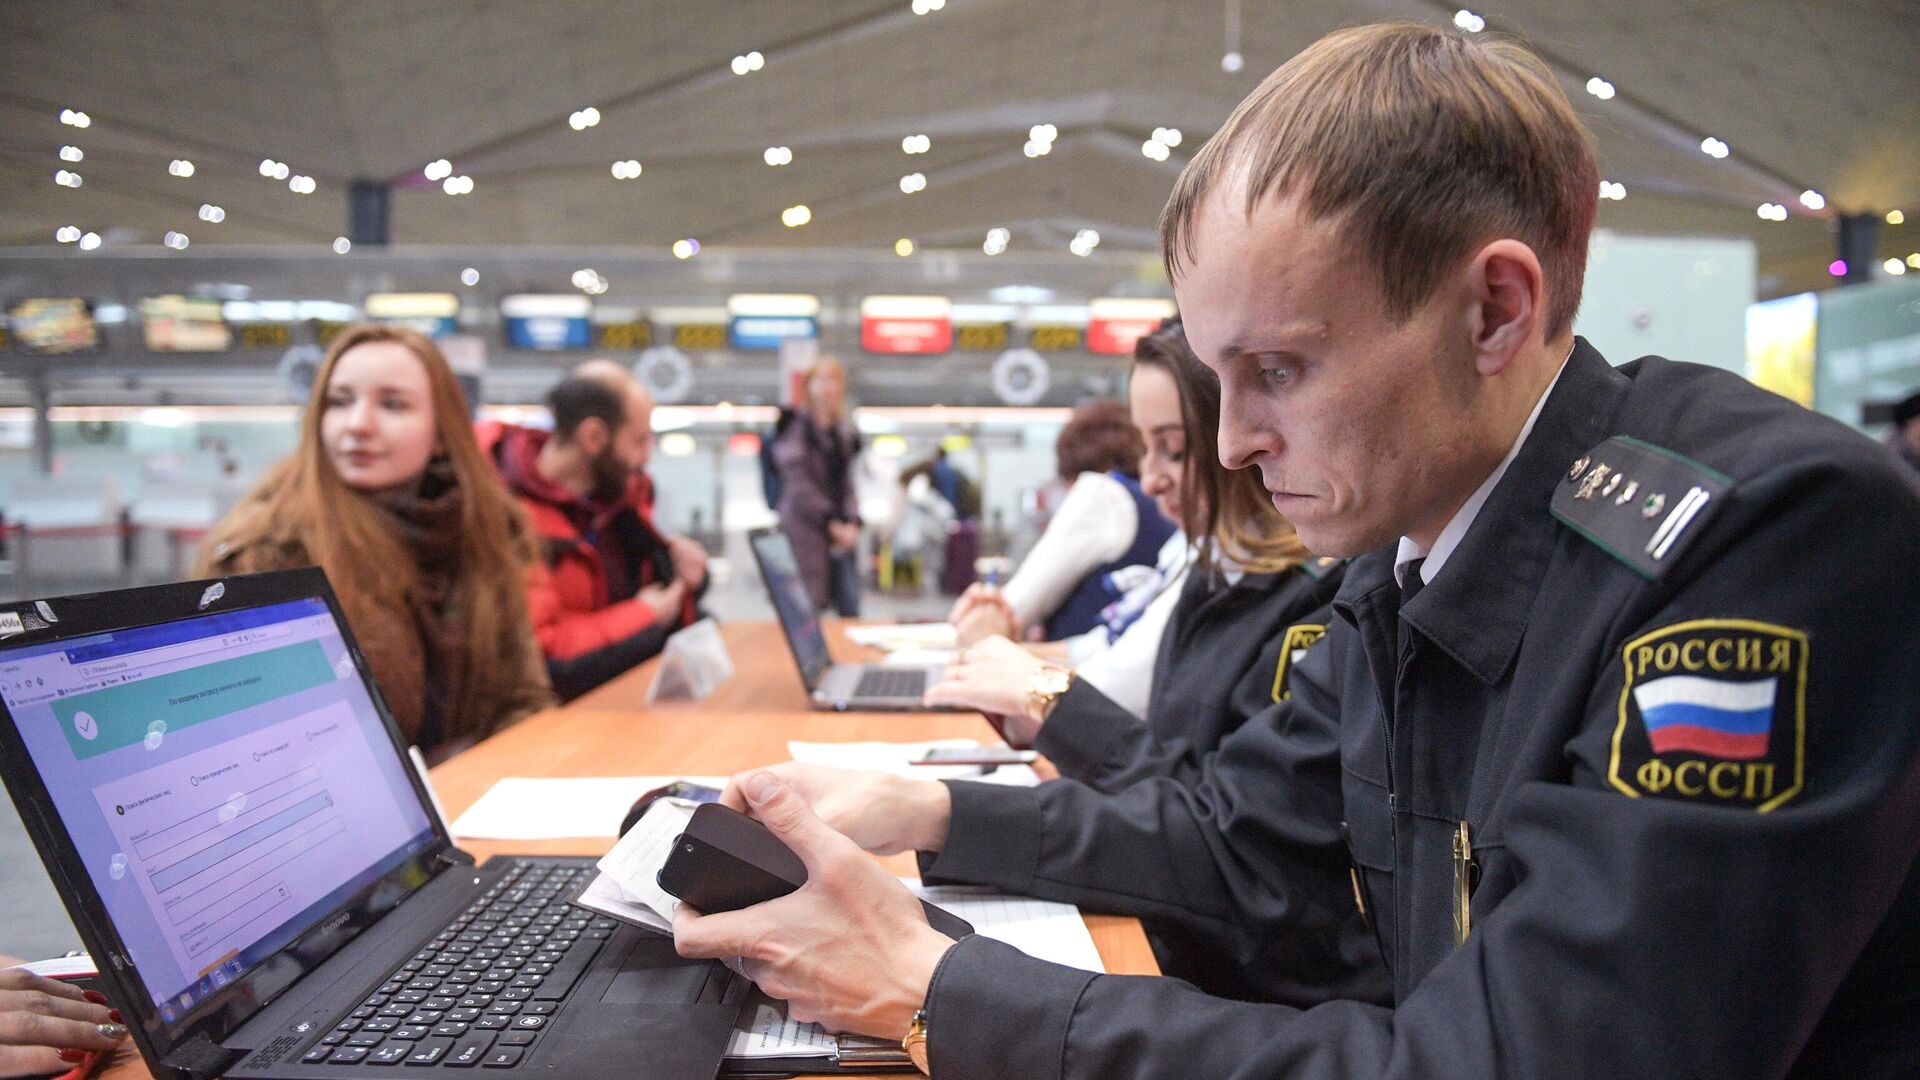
(746, 722)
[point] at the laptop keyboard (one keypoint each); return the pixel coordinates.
(891, 682)
(482, 992)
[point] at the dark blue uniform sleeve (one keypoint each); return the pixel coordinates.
(1673, 931)
(1250, 857)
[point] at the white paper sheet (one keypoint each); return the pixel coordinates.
(529, 808)
(1040, 928)
(929, 635)
(635, 861)
(897, 758)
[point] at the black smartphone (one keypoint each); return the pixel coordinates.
(679, 789)
(726, 861)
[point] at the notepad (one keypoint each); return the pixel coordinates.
(627, 888)
(928, 635)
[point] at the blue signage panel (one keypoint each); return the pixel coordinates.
(548, 332)
(766, 332)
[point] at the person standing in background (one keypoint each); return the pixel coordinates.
(813, 454)
(431, 558)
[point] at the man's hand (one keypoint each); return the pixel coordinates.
(983, 612)
(665, 601)
(882, 813)
(689, 561)
(844, 534)
(993, 676)
(45, 1024)
(850, 949)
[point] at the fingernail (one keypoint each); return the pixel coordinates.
(114, 1032)
(114, 1015)
(73, 1057)
(96, 997)
(763, 786)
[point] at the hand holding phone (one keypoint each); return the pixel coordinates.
(726, 861)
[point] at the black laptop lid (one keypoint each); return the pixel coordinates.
(215, 787)
(791, 602)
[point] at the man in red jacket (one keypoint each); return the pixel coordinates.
(615, 587)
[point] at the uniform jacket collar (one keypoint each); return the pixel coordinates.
(1476, 612)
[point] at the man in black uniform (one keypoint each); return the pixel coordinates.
(1620, 723)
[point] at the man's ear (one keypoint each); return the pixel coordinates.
(1506, 289)
(592, 436)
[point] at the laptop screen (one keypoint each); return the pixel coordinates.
(792, 604)
(226, 779)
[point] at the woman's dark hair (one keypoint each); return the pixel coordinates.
(1099, 437)
(1227, 512)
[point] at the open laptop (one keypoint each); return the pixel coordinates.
(220, 795)
(878, 687)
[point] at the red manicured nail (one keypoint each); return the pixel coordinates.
(73, 1057)
(96, 997)
(114, 1015)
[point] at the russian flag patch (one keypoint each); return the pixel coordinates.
(1713, 710)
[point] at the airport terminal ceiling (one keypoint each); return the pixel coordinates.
(1801, 97)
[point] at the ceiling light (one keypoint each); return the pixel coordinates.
(1043, 133)
(795, 216)
(212, 213)
(90, 240)
(180, 167)
(67, 234)
(913, 182)
(922, 7)
(584, 118)
(1813, 200)
(72, 153)
(626, 170)
(1772, 212)
(1167, 136)
(1600, 88)
(67, 179)
(458, 185)
(267, 165)
(469, 277)
(301, 185)
(755, 61)
(342, 245)
(438, 169)
(1894, 267)
(1838, 268)
(1468, 21)
(777, 155)
(1084, 242)
(903, 247)
(1037, 149)
(1154, 149)
(175, 240)
(686, 249)
(1895, 217)
(916, 144)
(1913, 260)
(748, 62)
(997, 240)
(1613, 191)
(1232, 62)
(75, 118)
(1713, 148)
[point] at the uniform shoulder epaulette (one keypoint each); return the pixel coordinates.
(1641, 503)
(1319, 566)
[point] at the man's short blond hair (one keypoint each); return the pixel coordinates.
(1422, 144)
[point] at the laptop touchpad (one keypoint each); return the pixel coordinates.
(653, 974)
